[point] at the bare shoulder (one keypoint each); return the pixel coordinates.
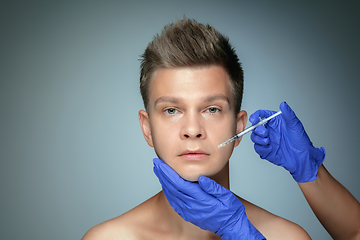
(117, 228)
(125, 226)
(273, 226)
(109, 230)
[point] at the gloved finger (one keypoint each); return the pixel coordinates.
(259, 140)
(177, 203)
(178, 186)
(255, 117)
(263, 151)
(164, 179)
(261, 131)
(183, 203)
(180, 206)
(214, 189)
(167, 174)
(169, 185)
(176, 198)
(288, 114)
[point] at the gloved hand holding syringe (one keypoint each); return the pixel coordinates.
(261, 122)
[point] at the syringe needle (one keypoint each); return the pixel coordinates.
(261, 122)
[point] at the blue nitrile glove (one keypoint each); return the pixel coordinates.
(206, 204)
(284, 142)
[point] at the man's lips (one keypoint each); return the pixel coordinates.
(194, 154)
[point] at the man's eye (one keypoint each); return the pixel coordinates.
(171, 111)
(213, 110)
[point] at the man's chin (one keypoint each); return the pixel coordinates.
(192, 173)
(192, 177)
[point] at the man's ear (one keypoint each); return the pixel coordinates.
(145, 126)
(241, 120)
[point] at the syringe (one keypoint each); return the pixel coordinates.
(263, 121)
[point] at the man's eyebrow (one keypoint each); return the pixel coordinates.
(206, 99)
(217, 97)
(167, 99)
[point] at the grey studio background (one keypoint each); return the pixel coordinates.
(72, 154)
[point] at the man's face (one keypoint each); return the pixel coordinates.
(191, 111)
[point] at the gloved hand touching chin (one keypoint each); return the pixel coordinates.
(206, 204)
(284, 142)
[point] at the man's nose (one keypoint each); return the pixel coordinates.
(193, 127)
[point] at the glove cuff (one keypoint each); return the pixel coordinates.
(309, 170)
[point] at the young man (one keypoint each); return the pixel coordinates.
(191, 83)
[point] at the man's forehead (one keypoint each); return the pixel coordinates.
(196, 74)
(201, 84)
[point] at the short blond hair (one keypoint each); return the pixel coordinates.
(187, 43)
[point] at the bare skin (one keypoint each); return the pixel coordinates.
(334, 206)
(156, 219)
